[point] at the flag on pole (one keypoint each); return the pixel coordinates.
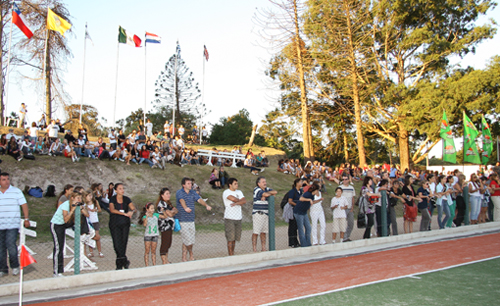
(178, 49)
(471, 154)
(449, 152)
(18, 20)
(25, 258)
(205, 52)
(487, 143)
(152, 38)
(87, 35)
(125, 37)
(56, 23)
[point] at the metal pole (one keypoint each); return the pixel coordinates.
(467, 205)
(272, 232)
(175, 91)
(145, 82)
(202, 94)
(47, 116)
(83, 73)
(383, 211)
(5, 114)
(116, 82)
(77, 239)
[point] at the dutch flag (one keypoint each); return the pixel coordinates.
(152, 38)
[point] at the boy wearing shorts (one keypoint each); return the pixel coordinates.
(339, 205)
(233, 199)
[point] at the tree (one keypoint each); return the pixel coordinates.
(285, 31)
(176, 88)
(90, 118)
(58, 51)
(339, 31)
(233, 130)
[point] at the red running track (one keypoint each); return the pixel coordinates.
(276, 284)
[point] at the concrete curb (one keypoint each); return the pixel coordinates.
(135, 278)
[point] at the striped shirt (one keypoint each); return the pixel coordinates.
(258, 204)
(10, 215)
(190, 198)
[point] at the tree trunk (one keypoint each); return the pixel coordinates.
(404, 148)
(48, 96)
(346, 151)
(2, 101)
(306, 123)
(355, 90)
(250, 143)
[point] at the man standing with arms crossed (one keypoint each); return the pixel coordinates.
(260, 213)
(349, 193)
(185, 200)
(10, 200)
(233, 200)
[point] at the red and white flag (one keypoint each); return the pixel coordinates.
(18, 20)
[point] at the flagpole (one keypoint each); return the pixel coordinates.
(83, 74)
(21, 282)
(116, 80)
(49, 116)
(8, 71)
(202, 96)
(145, 80)
(175, 89)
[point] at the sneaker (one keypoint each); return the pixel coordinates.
(15, 271)
(50, 154)
(127, 264)
(2, 274)
(262, 170)
(347, 240)
(20, 159)
(58, 275)
(101, 254)
(121, 159)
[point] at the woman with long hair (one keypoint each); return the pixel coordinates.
(300, 214)
(371, 198)
(93, 208)
(495, 195)
(13, 149)
(424, 195)
(442, 201)
(410, 207)
(166, 222)
(214, 179)
(460, 211)
(64, 195)
(122, 209)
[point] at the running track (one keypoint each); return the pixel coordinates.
(276, 284)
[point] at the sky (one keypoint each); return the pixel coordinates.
(234, 74)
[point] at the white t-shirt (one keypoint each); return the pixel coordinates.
(149, 127)
(53, 130)
(93, 218)
(112, 138)
(339, 212)
(232, 212)
(33, 131)
(317, 206)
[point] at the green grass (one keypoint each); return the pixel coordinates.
(474, 284)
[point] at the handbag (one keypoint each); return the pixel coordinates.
(361, 220)
(177, 225)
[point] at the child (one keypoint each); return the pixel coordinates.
(149, 219)
(93, 208)
(339, 205)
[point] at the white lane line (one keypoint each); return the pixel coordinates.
(380, 281)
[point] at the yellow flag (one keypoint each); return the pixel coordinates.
(56, 23)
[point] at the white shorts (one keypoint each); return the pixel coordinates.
(339, 225)
(260, 223)
(188, 233)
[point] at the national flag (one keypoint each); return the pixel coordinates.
(18, 20)
(471, 154)
(449, 151)
(178, 49)
(56, 23)
(152, 38)
(87, 35)
(487, 143)
(205, 52)
(125, 37)
(25, 257)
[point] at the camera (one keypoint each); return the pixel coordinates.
(78, 204)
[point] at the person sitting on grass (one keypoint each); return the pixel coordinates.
(69, 152)
(144, 156)
(214, 180)
(248, 163)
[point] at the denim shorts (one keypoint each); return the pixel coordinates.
(151, 238)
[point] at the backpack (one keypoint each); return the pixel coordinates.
(35, 192)
(284, 201)
(51, 191)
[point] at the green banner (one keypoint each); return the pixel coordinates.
(487, 143)
(471, 154)
(449, 152)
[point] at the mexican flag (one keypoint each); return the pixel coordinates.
(487, 143)
(449, 152)
(125, 37)
(470, 148)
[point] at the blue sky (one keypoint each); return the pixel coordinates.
(234, 74)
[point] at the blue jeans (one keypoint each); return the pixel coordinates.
(303, 222)
(8, 239)
(149, 162)
(444, 207)
(475, 207)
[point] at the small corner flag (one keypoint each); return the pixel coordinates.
(25, 258)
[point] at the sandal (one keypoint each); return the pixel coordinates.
(101, 255)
